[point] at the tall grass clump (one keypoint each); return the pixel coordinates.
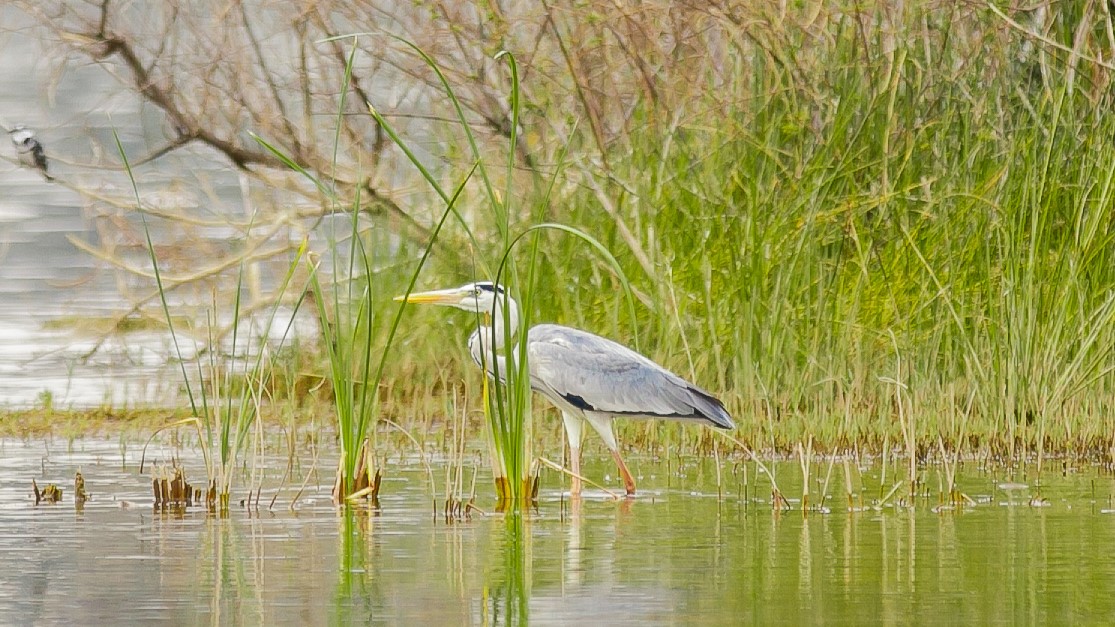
(233, 390)
(507, 407)
(228, 392)
(507, 393)
(358, 333)
(358, 328)
(922, 183)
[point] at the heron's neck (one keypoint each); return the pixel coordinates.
(503, 324)
(486, 344)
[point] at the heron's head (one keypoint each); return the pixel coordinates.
(480, 297)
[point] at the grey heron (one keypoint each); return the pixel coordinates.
(589, 378)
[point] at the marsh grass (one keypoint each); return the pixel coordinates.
(353, 310)
(358, 331)
(231, 390)
(225, 408)
(912, 241)
(507, 407)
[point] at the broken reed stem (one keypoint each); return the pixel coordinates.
(80, 495)
(848, 482)
(363, 485)
(565, 471)
(825, 485)
(719, 482)
(175, 491)
(805, 456)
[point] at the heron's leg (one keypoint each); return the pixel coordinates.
(602, 423)
(574, 427)
(628, 480)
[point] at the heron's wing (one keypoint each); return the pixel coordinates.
(595, 374)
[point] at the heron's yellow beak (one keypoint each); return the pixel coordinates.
(437, 297)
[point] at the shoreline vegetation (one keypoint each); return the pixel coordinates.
(863, 228)
(426, 432)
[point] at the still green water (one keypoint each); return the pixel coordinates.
(677, 554)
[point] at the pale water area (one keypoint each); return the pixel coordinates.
(43, 276)
(48, 286)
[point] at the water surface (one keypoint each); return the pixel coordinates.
(677, 554)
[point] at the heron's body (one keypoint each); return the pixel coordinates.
(589, 378)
